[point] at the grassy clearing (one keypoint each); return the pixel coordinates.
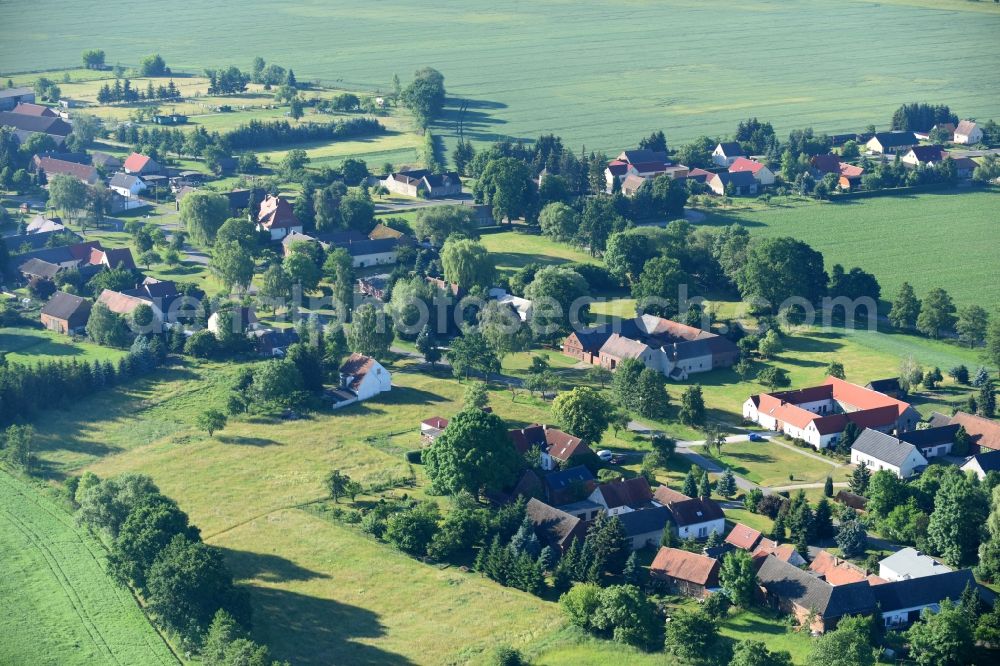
(510, 60)
(513, 250)
(59, 605)
(26, 345)
(899, 238)
(769, 464)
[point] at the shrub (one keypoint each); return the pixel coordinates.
(414, 457)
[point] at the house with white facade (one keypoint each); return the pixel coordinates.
(983, 463)
(692, 516)
(880, 451)
(727, 152)
(968, 132)
(277, 217)
(522, 306)
(127, 185)
(761, 173)
(901, 602)
(361, 378)
(819, 414)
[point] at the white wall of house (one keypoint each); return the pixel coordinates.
(937, 450)
(377, 380)
(377, 259)
(646, 539)
(719, 157)
(702, 530)
(973, 137)
(901, 616)
(764, 176)
(903, 471)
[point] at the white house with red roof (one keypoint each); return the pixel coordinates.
(819, 414)
(361, 378)
(277, 217)
(726, 153)
(760, 172)
(138, 164)
(641, 164)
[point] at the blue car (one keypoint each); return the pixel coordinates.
(754, 437)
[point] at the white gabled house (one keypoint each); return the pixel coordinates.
(968, 132)
(361, 378)
(880, 451)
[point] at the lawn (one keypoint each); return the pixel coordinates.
(899, 238)
(59, 605)
(513, 250)
(531, 68)
(27, 345)
(770, 464)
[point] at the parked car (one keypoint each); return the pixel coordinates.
(755, 437)
(605, 455)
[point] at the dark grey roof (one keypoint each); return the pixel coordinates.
(35, 241)
(788, 582)
(100, 159)
(694, 511)
(989, 461)
(938, 420)
(732, 149)
(644, 155)
(16, 92)
(366, 247)
(553, 527)
(922, 591)
(39, 268)
(893, 139)
(64, 306)
(737, 178)
(567, 477)
(890, 384)
(644, 521)
(931, 436)
(883, 447)
(124, 180)
(36, 124)
(341, 237)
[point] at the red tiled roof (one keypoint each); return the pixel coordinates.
(745, 164)
(29, 109)
(686, 566)
(828, 163)
(357, 366)
(136, 162)
(835, 570)
(985, 432)
(53, 167)
(563, 446)
(626, 492)
(850, 171)
(785, 552)
(277, 213)
(436, 422)
(665, 496)
(743, 537)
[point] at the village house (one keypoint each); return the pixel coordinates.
(273, 342)
(374, 285)
(645, 526)
(65, 313)
(623, 495)
(848, 175)
(555, 446)
(421, 182)
(785, 552)
(137, 164)
(40, 224)
(126, 185)
(761, 173)
(925, 155)
(25, 125)
(365, 253)
(693, 517)
(819, 414)
(361, 378)
(982, 463)
(901, 602)
(726, 153)
(984, 433)
(738, 184)
(635, 167)
(689, 574)
(743, 537)
(31, 109)
(569, 485)
(631, 184)
(672, 348)
(968, 132)
(50, 167)
(521, 306)
(837, 571)
(931, 442)
(880, 451)
(554, 528)
(907, 563)
(277, 218)
(125, 304)
(243, 319)
(89, 258)
(890, 143)
(431, 429)
(11, 97)
(791, 590)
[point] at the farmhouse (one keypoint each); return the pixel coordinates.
(891, 142)
(884, 452)
(50, 167)
(277, 217)
(419, 182)
(361, 378)
(784, 552)
(273, 341)
(41, 224)
(690, 574)
(836, 571)
(740, 183)
(932, 442)
(11, 97)
(694, 517)
(726, 153)
(569, 485)
(623, 495)
(983, 463)
(89, 258)
(907, 563)
(791, 590)
(141, 165)
(65, 313)
(674, 349)
(366, 252)
(819, 414)
(901, 602)
(125, 304)
(631, 184)
(645, 527)
(126, 185)
(555, 445)
(635, 167)
(925, 155)
(761, 173)
(25, 125)
(553, 527)
(743, 537)
(985, 433)
(968, 132)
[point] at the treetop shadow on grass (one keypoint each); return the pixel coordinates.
(240, 440)
(267, 567)
(309, 630)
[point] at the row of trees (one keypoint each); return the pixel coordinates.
(936, 315)
(124, 92)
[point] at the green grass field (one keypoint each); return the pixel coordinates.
(59, 605)
(27, 345)
(513, 250)
(570, 68)
(769, 464)
(946, 239)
